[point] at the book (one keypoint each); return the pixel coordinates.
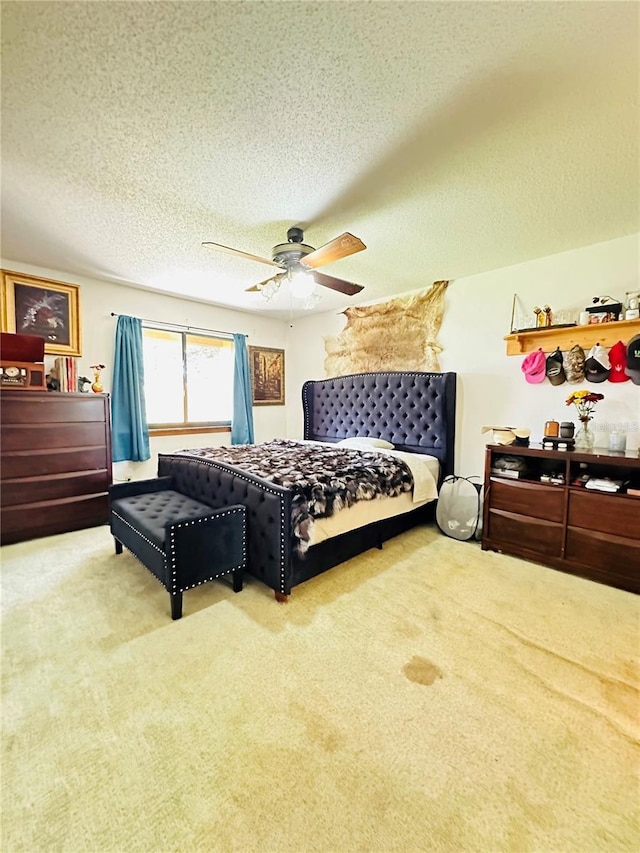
(66, 373)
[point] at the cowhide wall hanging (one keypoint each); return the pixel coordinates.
(401, 334)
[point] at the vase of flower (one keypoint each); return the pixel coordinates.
(584, 436)
(585, 402)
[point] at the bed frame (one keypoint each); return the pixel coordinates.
(413, 410)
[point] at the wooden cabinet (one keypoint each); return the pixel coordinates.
(55, 456)
(590, 533)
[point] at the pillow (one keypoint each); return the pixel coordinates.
(365, 442)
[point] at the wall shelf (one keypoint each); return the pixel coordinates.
(550, 337)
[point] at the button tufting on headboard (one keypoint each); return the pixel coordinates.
(414, 411)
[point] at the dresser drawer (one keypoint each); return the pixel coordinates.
(34, 437)
(531, 499)
(50, 407)
(28, 490)
(48, 517)
(618, 556)
(614, 514)
(40, 463)
(533, 534)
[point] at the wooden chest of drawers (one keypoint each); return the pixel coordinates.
(567, 526)
(55, 457)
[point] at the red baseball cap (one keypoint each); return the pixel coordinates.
(618, 359)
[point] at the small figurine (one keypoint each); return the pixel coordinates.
(540, 317)
(547, 315)
(53, 383)
(83, 382)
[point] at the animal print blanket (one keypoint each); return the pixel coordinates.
(323, 479)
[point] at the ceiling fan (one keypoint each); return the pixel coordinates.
(298, 263)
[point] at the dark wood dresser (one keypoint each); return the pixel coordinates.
(55, 457)
(564, 524)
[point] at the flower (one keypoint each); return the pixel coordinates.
(585, 402)
(97, 366)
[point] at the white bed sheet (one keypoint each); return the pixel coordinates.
(425, 470)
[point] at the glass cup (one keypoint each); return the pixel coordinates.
(617, 442)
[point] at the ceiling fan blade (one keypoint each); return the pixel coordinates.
(339, 284)
(219, 248)
(339, 247)
(261, 284)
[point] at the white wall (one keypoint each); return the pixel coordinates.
(491, 387)
(99, 298)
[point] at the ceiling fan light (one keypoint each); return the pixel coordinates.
(268, 289)
(302, 285)
(311, 301)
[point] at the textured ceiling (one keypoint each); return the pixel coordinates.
(451, 137)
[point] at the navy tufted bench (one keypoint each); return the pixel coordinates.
(182, 541)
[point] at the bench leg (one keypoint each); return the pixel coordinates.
(176, 605)
(118, 546)
(237, 581)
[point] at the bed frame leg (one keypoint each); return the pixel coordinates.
(281, 597)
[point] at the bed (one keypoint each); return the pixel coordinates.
(413, 411)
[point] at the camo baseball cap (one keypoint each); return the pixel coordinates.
(573, 363)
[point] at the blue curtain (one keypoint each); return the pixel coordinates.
(129, 430)
(242, 420)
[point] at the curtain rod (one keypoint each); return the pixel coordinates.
(178, 325)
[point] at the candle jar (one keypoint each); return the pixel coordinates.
(567, 429)
(551, 429)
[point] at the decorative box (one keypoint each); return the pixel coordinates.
(604, 313)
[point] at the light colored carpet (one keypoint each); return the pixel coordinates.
(427, 697)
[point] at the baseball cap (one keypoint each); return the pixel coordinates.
(554, 369)
(633, 360)
(573, 363)
(533, 367)
(618, 359)
(597, 366)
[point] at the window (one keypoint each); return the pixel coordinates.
(188, 378)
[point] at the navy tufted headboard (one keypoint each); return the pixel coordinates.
(416, 412)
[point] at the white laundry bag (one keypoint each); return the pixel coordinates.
(459, 509)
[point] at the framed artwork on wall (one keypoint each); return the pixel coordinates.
(267, 376)
(40, 306)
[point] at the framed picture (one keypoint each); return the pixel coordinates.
(39, 306)
(267, 376)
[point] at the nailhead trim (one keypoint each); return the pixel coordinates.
(253, 481)
(138, 532)
(171, 556)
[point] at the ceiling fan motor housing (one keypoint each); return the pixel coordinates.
(287, 254)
